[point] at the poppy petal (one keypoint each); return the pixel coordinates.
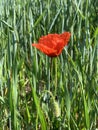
(53, 44)
(48, 51)
(49, 40)
(65, 36)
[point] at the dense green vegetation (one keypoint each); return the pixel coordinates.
(37, 93)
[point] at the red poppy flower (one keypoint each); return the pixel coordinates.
(53, 44)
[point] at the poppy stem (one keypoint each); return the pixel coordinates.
(55, 77)
(53, 74)
(49, 73)
(51, 69)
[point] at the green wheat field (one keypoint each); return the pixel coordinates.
(40, 93)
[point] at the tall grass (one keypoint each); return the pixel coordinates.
(35, 91)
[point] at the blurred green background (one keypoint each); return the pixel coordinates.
(37, 93)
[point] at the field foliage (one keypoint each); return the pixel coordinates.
(40, 93)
